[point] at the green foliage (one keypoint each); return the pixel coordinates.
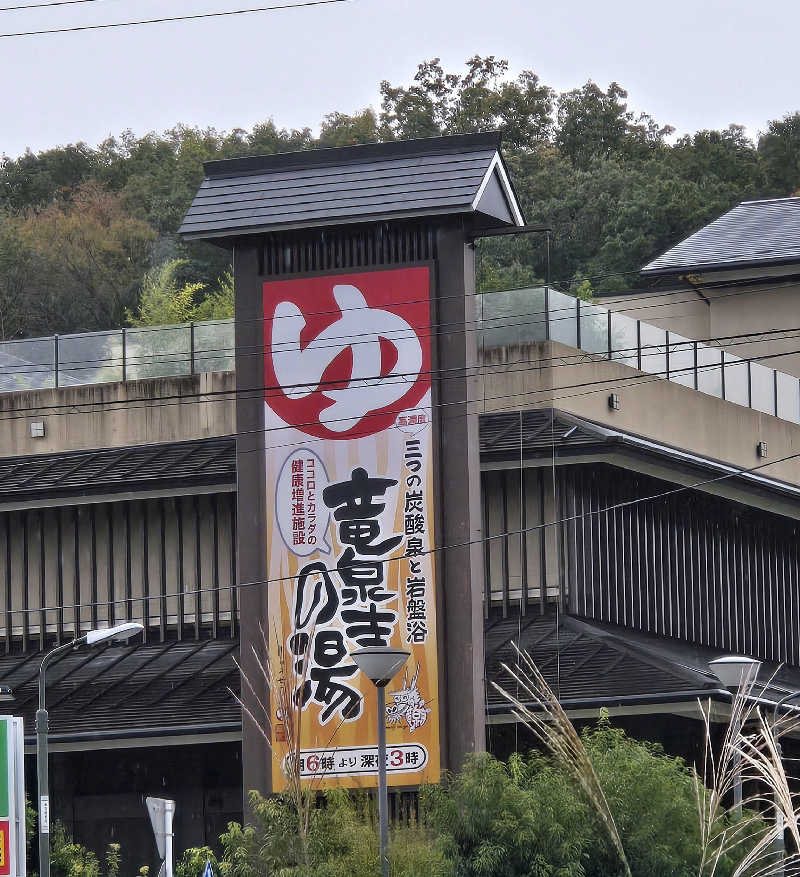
(528, 818)
(193, 862)
(218, 304)
(341, 842)
(113, 858)
(83, 230)
(70, 859)
(165, 298)
(517, 819)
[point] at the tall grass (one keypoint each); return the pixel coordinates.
(749, 754)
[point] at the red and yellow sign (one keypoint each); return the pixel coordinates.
(350, 527)
(5, 854)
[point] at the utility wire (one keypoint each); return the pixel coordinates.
(432, 551)
(45, 5)
(624, 382)
(577, 360)
(727, 341)
(199, 15)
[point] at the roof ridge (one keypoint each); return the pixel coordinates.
(765, 201)
(310, 158)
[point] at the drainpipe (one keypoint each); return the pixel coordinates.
(694, 281)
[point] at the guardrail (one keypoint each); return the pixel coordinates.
(526, 315)
(517, 316)
(116, 355)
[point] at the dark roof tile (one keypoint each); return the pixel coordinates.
(354, 184)
(753, 233)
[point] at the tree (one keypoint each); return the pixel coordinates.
(779, 151)
(168, 298)
(339, 129)
(84, 259)
(596, 124)
(479, 100)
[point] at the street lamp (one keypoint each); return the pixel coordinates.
(380, 664)
(92, 638)
(735, 672)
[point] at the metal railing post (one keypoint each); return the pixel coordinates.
(191, 348)
(124, 355)
(639, 344)
(55, 360)
(547, 333)
(775, 390)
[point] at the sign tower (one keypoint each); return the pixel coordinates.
(359, 519)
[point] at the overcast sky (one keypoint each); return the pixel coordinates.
(690, 63)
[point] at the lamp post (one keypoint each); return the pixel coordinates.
(380, 664)
(92, 638)
(734, 672)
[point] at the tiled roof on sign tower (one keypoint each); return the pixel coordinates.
(460, 174)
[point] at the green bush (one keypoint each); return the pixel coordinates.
(522, 818)
(70, 859)
(526, 818)
(193, 862)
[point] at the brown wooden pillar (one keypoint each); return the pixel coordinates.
(461, 561)
(251, 508)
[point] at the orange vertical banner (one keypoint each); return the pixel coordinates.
(350, 517)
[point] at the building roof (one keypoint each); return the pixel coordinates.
(583, 664)
(590, 664)
(753, 234)
(187, 687)
(131, 469)
(144, 690)
(461, 174)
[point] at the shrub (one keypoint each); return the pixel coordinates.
(523, 818)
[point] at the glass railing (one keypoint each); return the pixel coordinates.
(116, 355)
(524, 316)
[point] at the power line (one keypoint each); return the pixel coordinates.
(623, 382)
(431, 551)
(578, 359)
(195, 17)
(45, 5)
(478, 326)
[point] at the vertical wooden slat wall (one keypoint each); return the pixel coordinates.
(168, 563)
(691, 566)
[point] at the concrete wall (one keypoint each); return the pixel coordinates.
(546, 375)
(728, 312)
(115, 415)
(681, 311)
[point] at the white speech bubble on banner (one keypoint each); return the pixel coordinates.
(303, 518)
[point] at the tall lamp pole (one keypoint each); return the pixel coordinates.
(92, 638)
(735, 672)
(380, 664)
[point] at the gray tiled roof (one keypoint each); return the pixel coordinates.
(458, 174)
(753, 233)
(148, 689)
(127, 469)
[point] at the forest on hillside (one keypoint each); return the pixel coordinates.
(88, 234)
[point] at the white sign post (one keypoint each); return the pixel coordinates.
(162, 812)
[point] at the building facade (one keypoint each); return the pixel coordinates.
(637, 516)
